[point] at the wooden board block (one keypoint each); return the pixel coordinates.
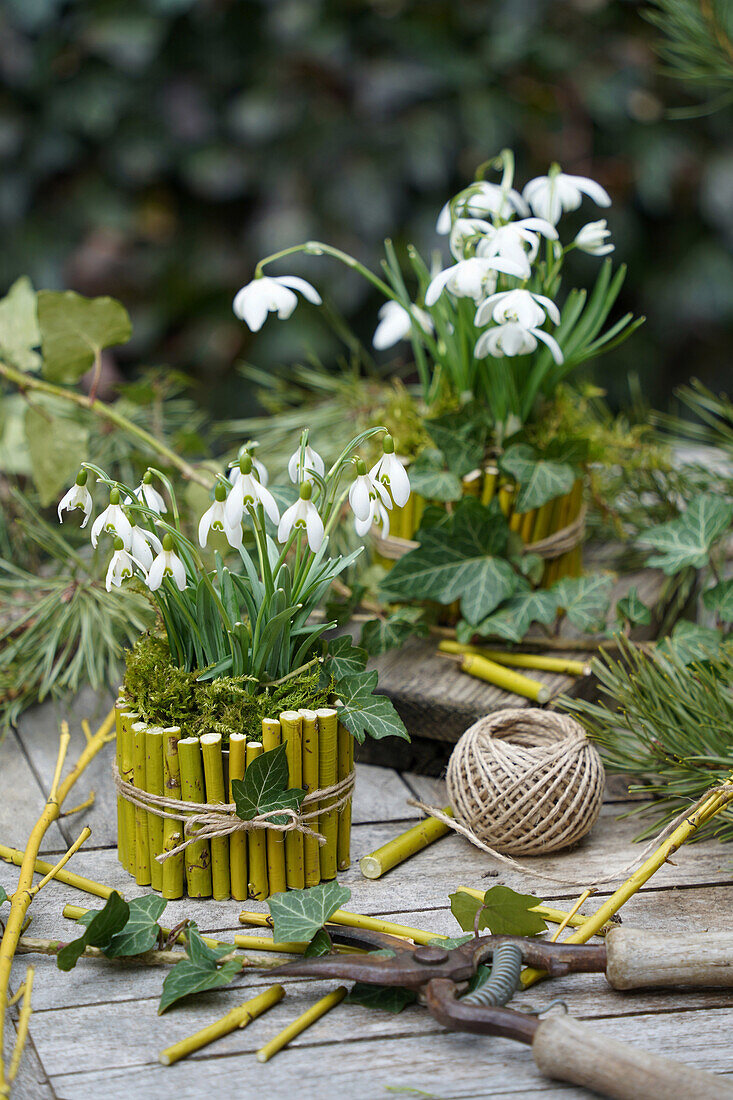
(23, 799)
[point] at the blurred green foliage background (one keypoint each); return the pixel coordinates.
(155, 149)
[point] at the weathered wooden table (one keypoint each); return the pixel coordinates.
(95, 1031)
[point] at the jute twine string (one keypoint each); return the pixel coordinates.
(529, 781)
(209, 820)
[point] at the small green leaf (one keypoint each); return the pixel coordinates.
(503, 911)
(74, 330)
(19, 332)
(198, 971)
(3, 895)
(345, 658)
(461, 438)
(140, 934)
(364, 712)
(633, 609)
(688, 540)
(430, 478)
(449, 942)
(720, 600)
(102, 926)
(390, 998)
(56, 445)
(319, 945)
(585, 600)
(299, 914)
(265, 787)
(513, 619)
(381, 635)
(539, 481)
(689, 643)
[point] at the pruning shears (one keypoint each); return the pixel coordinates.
(562, 1047)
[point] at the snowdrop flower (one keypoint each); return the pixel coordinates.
(523, 306)
(246, 492)
(120, 567)
(518, 241)
(465, 232)
(167, 564)
(114, 520)
(311, 461)
(78, 496)
(513, 339)
(396, 323)
(471, 278)
(377, 514)
(364, 491)
(258, 467)
(591, 238)
(214, 519)
(149, 496)
(550, 195)
(480, 199)
(391, 473)
(271, 294)
(142, 545)
(303, 514)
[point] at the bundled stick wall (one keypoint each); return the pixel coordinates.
(243, 864)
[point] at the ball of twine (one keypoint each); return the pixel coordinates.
(526, 782)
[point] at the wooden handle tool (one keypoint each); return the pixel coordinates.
(636, 959)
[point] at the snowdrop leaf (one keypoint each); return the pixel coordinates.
(103, 925)
(585, 600)
(199, 971)
(390, 998)
(19, 332)
(632, 608)
(299, 914)
(720, 600)
(265, 787)
(364, 712)
(56, 445)
(75, 329)
(688, 540)
(430, 478)
(503, 911)
(539, 481)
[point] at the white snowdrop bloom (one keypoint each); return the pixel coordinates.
(271, 294)
(396, 323)
(513, 339)
(390, 472)
(121, 566)
(113, 520)
(150, 496)
(523, 306)
(78, 496)
(592, 238)
(465, 232)
(303, 514)
(550, 195)
(259, 468)
(518, 241)
(377, 514)
(481, 199)
(167, 564)
(248, 491)
(364, 491)
(214, 519)
(142, 545)
(311, 461)
(471, 278)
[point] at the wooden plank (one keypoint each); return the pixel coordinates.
(23, 800)
(380, 795)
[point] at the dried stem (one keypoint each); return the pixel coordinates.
(83, 835)
(24, 1019)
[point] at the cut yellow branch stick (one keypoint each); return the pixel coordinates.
(257, 843)
(237, 841)
(504, 678)
(311, 855)
(564, 923)
(276, 874)
(592, 925)
(155, 784)
(197, 856)
(216, 794)
(142, 839)
(41, 867)
(554, 916)
(345, 760)
(122, 838)
(536, 661)
(320, 1008)
(173, 874)
(24, 1019)
(327, 775)
(237, 1018)
(126, 840)
(506, 498)
(354, 920)
(403, 846)
(54, 871)
(489, 486)
(291, 725)
(289, 947)
(76, 912)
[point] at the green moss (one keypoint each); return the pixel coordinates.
(168, 696)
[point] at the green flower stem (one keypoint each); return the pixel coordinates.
(28, 382)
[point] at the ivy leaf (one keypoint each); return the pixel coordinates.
(503, 911)
(461, 439)
(538, 480)
(632, 608)
(3, 895)
(689, 643)
(265, 787)
(687, 541)
(514, 618)
(450, 942)
(198, 971)
(430, 478)
(720, 600)
(19, 332)
(103, 925)
(140, 934)
(344, 658)
(364, 712)
(74, 330)
(381, 635)
(390, 998)
(56, 445)
(459, 561)
(585, 600)
(299, 914)
(319, 945)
